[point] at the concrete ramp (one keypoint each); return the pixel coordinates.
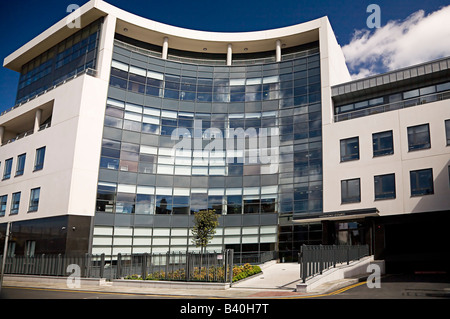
(273, 276)
(342, 275)
(286, 276)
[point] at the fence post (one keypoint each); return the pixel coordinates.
(303, 264)
(102, 265)
(119, 266)
(42, 265)
(144, 266)
(348, 254)
(321, 259)
(231, 260)
(167, 264)
(187, 272)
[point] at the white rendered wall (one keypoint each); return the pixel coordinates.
(400, 163)
(69, 178)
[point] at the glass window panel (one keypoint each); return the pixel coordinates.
(8, 168)
(350, 149)
(148, 149)
(384, 186)
(113, 122)
(133, 116)
(410, 94)
(350, 191)
(133, 108)
(383, 143)
(119, 65)
(169, 114)
(234, 204)
(34, 199)
(447, 131)
(115, 103)
(422, 182)
(15, 202)
(427, 90)
(419, 137)
(3, 203)
(39, 161)
(155, 75)
(443, 87)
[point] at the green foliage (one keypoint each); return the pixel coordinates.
(211, 274)
(244, 271)
(205, 224)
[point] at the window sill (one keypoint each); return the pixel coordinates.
(419, 195)
(382, 155)
(381, 199)
(355, 202)
(350, 160)
(419, 149)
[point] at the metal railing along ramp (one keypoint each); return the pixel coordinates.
(315, 259)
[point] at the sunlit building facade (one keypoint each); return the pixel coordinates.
(125, 127)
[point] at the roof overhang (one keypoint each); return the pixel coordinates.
(153, 32)
(340, 215)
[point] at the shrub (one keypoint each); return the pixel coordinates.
(202, 274)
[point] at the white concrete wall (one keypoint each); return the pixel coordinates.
(400, 163)
(69, 178)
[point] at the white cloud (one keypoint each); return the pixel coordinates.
(419, 38)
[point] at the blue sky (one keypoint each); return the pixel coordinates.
(370, 52)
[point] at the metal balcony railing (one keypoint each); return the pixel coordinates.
(314, 259)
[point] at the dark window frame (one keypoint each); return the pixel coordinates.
(7, 170)
(345, 186)
(414, 138)
(377, 141)
(38, 164)
(344, 145)
(19, 168)
(34, 204)
(380, 179)
(414, 179)
(447, 131)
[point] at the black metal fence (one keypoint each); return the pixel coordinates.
(255, 257)
(314, 259)
(192, 266)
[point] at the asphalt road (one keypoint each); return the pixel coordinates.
(425, 286)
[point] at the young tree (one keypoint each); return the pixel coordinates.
(205, 223)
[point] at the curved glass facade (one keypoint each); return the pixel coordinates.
(243, 140)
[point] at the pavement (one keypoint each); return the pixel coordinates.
(277, 280)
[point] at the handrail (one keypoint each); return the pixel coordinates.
(88, 71)
(314, 259)
(392, 106)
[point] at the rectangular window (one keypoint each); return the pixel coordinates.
(34, 199)
(383, 143)
(350, 191)
(20, 164)
(350, 149)
(447, 131)
(384, 186)
(3, 201)
(39, 162)
(421, 182)
(419, 137)
(8, 167)
(15, 202)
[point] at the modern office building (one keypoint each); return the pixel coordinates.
(124, 127)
